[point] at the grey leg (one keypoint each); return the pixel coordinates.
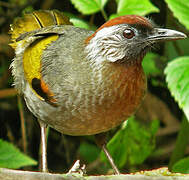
(43, 127)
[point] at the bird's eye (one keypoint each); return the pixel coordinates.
(128, 33)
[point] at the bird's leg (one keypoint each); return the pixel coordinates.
(43, 148)
(101, 142)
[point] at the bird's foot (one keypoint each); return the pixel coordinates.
(77, 168)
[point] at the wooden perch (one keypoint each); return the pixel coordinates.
(158, 174)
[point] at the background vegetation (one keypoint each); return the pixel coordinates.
(158, 135)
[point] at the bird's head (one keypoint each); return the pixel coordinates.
(126, 39)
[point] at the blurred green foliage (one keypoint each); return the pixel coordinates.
(182, 166)
(11, 157)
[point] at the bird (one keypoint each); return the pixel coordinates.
(82, 82)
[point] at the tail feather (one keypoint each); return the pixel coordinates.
(34, 21)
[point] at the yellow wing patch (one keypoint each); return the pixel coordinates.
(33, 53)
(32, 58)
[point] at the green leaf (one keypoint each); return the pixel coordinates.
(171, 53)
(177, 73)
(181, 166)
(89, 6)
(89, 152)
(180, 10)
(78, 22)
(127, 146)
(81, 23)
(137, 7)
(181, 143)
(102, 3)
(11, 157)
(149, 65)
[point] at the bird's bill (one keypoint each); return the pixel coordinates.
(160, 34)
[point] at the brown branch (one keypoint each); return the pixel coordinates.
(7, 92)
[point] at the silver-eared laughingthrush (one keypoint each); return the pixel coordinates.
(81, 82)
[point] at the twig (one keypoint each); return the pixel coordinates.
(91, 21)
(10, 134)
(67, 149)
(168, 130)
(7, 92)
(23, 127)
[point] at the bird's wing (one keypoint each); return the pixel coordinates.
(36, 43)
(30, 35)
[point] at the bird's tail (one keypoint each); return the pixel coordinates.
(34, 21)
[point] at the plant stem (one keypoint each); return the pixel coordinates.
(178, 49)
(91, 21)
(104, 14)
(23, 126)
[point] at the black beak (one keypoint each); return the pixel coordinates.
(160, 34)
